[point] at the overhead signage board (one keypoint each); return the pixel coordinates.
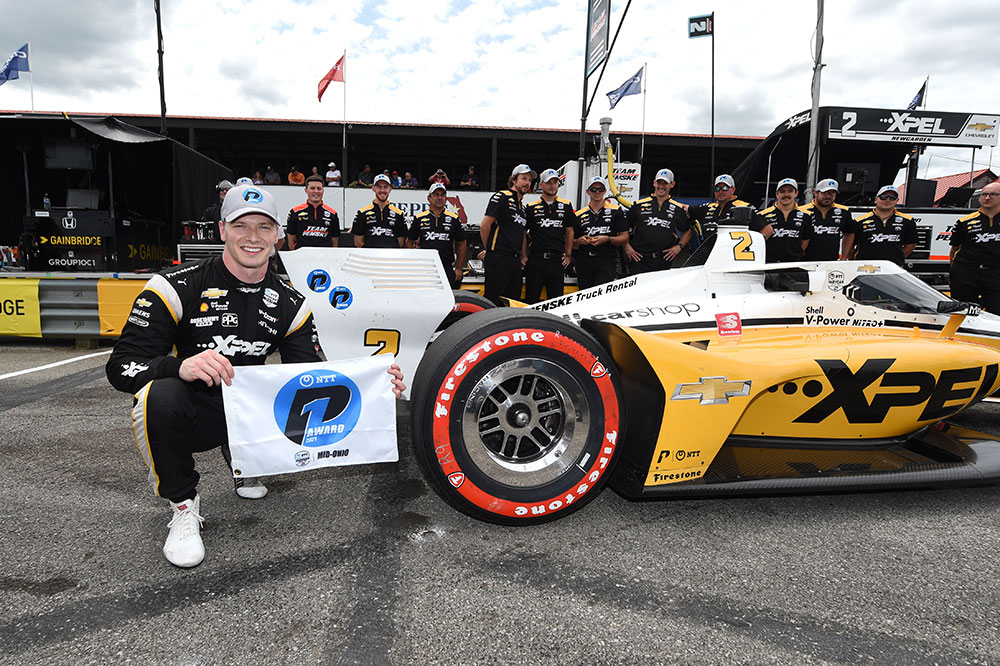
(974, 130)
(598, 33)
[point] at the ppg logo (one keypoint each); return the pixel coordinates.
(317, 408)
(319, 280)
(341, 298)
(253, 195)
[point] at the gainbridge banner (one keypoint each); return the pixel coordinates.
(298, 416)
(20, 312)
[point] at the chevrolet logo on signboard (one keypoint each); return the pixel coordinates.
(981, 127)
(712, 390)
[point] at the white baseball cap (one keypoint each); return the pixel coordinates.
(435, 187)
(887, 188)
(665, 175)
(244, 181)
(725, 179)
(246, 199)
(522, 168)
(787, 181)
(382, 178)
(332, 164)
(548, 175)
(597, 180)
(827, 184)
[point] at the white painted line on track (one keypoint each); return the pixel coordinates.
(57, 363)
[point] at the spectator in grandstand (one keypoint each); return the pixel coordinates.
(296, 177)
(380, 223)
(706, 218)
(546, 240)
(313, 224)
(365, 177)
(828, 221)
(439, 176)
(332, 175)
(213, 212)
(257, 178)
(271, 177)
(396, 179)
(440, 229)
(884, 233)
(409, 182)
(975, 253)
(502, 233)
(594, 233)
(658, 228)
(791, 224)
(470, 180)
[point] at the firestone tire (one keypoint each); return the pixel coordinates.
(517, 416)
(466, 303)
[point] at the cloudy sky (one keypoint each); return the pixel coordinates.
(496, 62)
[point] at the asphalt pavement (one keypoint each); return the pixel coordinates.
(366, 565)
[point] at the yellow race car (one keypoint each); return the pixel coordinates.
(731, 377)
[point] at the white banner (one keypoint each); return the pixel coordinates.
(296, 416)
(469, 206)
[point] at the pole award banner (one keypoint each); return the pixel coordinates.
(291, 417)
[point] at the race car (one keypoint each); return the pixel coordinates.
(727, 377)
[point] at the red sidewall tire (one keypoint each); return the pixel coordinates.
(506, 476)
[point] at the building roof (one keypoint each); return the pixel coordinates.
(945, 183)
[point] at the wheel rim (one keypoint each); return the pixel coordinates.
(524, 422)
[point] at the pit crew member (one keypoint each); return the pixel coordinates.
(188, 329)
(440, 229)
(792, 225)
(705, 218)
(313, 224)
(884, 233)
(658, 228)
(545, 245)
(975, 253)
(595, 232)
(502, 233)
(828, 221)
(211, 214)
(380, 223)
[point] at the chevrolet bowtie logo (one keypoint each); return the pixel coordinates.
(712, 390)
(868, 268)
(981, 127)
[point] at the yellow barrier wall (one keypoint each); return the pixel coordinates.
(114, 299)
(19, 310)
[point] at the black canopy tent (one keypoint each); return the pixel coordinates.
(136, 187)
(860, 166)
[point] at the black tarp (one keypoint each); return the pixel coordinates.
(192, 175)
(790, 159)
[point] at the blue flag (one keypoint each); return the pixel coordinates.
(17, 62)
(631, 87)
(918, 99)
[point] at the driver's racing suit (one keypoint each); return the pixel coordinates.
(180, 313)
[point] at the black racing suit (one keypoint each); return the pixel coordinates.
(546, 231)
(975, 266)
(180, 313)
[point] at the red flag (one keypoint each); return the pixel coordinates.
(335, 74)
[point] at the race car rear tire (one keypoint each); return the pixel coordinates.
(466, 303)
(517, 416)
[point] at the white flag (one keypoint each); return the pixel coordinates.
(297, 416)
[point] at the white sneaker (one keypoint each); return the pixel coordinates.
(251, 488)
(183, 547)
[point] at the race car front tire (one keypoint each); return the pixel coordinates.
(517, 416)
